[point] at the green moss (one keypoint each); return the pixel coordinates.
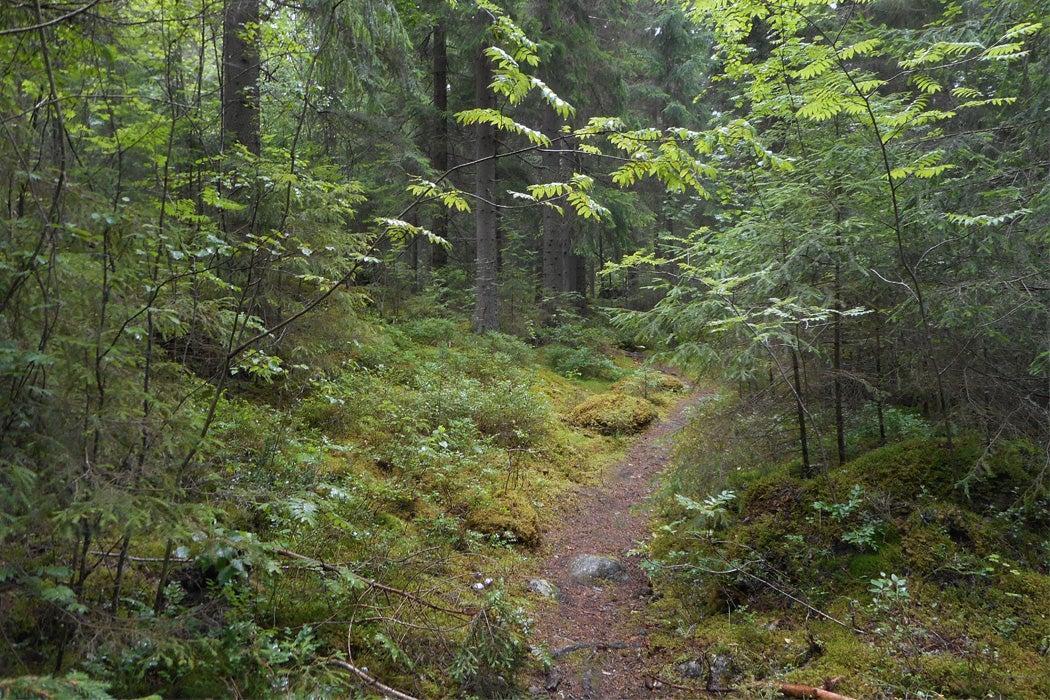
(864, 567)
(775, 494)
(613, 413)
(508, 516)
(975, 620)
(907, 469)
(646, 384)
(923, 545)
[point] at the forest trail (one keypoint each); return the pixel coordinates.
(598, 632)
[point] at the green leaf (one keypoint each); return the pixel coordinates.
(212, 198)
(501, 121)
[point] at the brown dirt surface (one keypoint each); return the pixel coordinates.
(598, 634)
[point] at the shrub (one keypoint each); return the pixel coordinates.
(432, 331)
(494, 651)
(613, 413)
(75, 685)
(581, 362)
(500, 345)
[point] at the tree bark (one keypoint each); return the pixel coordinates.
(439, 142)
(486, 271)
(807, 467)
(240, 85)
(553, 222)
(840, 421)
(878, 379)
(836, 361)
(579, 279)
(796, 690)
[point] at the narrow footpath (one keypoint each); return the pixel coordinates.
(596, 628)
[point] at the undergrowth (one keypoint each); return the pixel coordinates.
(914, 570)
(359, 512)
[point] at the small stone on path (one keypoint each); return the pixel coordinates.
(588, 567)
(543, 587)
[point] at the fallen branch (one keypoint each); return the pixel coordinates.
(144, 560)
(796, 690)
(371, 680)
(375, 584)
(363, 674)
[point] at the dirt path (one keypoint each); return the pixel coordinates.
(597, 632)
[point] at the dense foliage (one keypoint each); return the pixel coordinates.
(876, 227)
(883, 574)
(245, 434)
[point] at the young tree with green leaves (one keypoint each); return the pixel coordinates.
(846, 160)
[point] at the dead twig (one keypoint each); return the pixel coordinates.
(371, 680)
(375, 584)
(362, 673)
(144, 560)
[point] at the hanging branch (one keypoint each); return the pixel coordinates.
(50, 22)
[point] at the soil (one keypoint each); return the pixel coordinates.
(598, 633)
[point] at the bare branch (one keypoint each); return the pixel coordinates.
(371, 680)
(375, 584)
(50, 22)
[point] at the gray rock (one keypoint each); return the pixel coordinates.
(721, 670)
(586, 568)
(543, 587)
(691, 669)
(716, 669)
(591, 683)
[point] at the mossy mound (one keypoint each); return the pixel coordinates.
(925, 578)
(613, 413)
(647, 383)
(908, 468)
(510, 518)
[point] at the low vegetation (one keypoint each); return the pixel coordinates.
(914, 570)
(613, 413)
(360, 510)
(360, 516)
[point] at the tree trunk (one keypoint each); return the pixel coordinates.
(807, 467)
(554, 228)
(439, 142)
(240, 85)
(836, 361)
(579, 280)
(878, 378)
(568, 269)
(486, 292)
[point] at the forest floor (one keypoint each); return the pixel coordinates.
(598, 633)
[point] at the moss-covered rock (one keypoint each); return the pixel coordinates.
(613, 413)
(646, 383)
(906, 469)
(510, 517)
